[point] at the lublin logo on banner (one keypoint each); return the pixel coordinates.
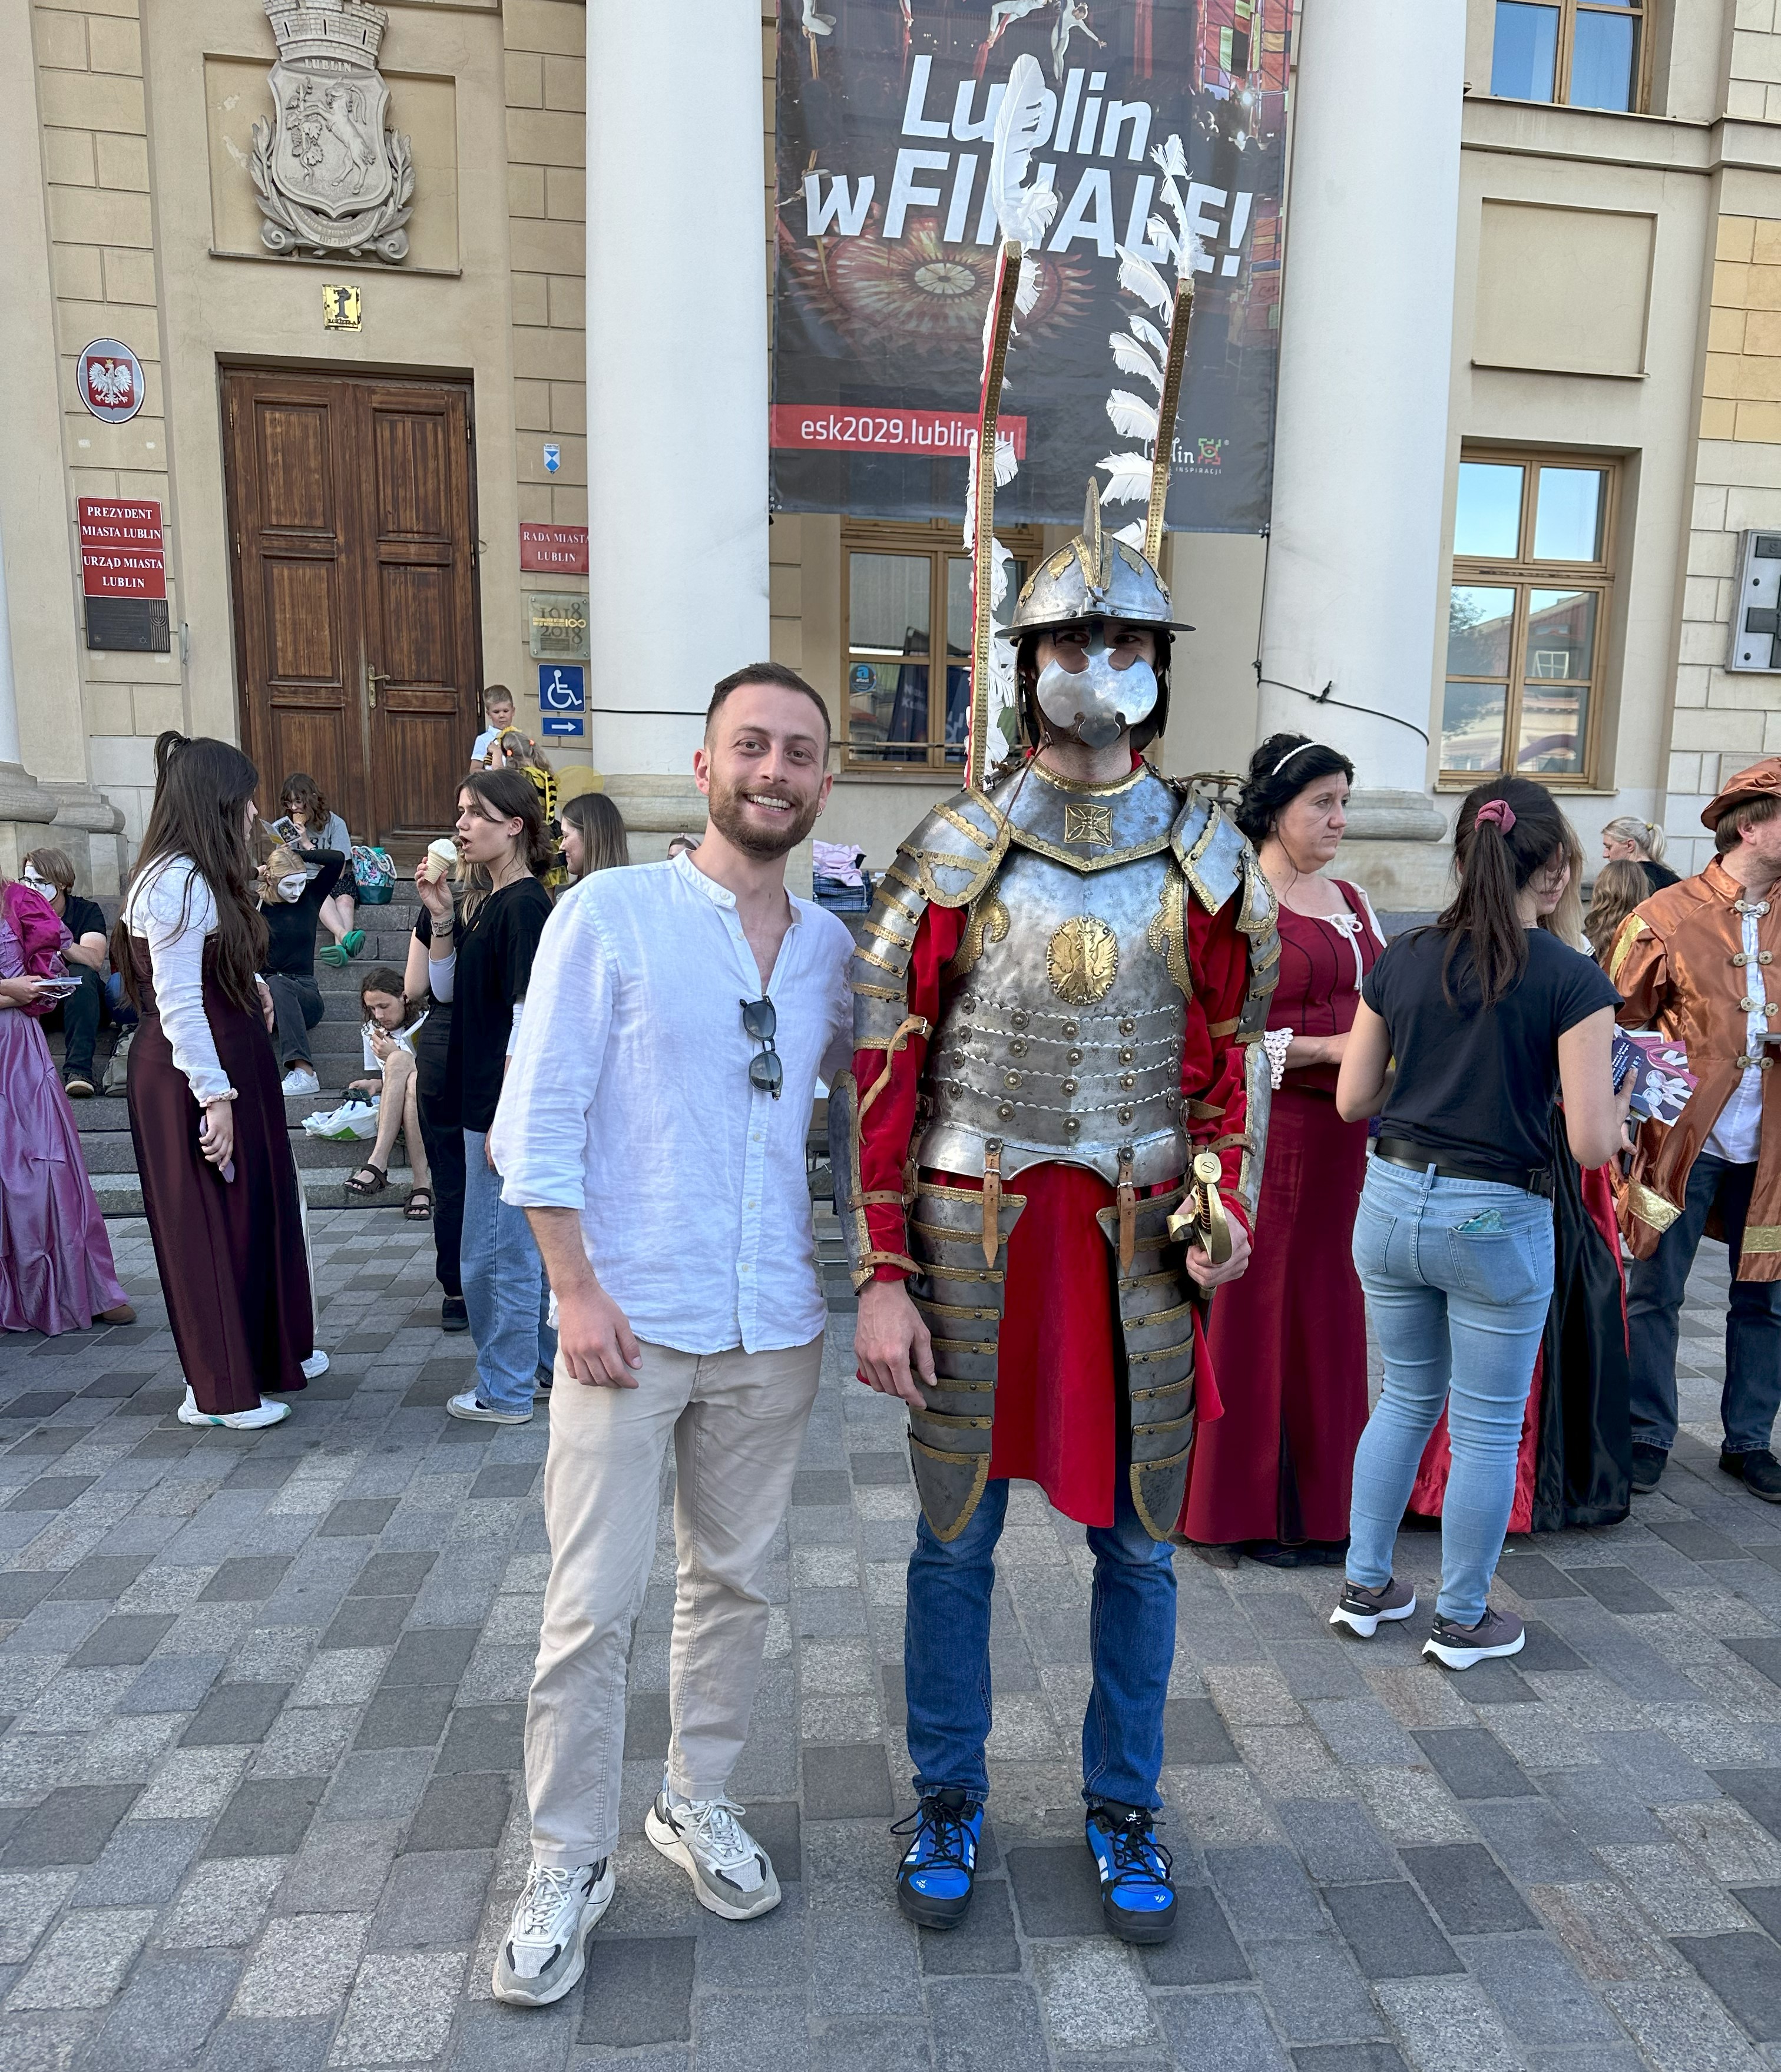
(329, 177)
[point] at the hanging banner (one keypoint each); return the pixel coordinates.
(886, 247)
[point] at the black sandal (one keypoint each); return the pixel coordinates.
(359, 1184)
(418, 1208)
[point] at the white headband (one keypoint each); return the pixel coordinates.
(1290, 752)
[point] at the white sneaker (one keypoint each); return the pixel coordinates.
(315, 1365)
(470, 1406)
(300, 1079)
(255, 1419)
(545, 1951)
(732, 1874)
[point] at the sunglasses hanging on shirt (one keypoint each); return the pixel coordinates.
(765, 1073)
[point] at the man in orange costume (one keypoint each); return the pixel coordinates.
(1695, 960)
(1059, 997)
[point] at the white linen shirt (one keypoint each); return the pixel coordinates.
(173, 909)
(1737, 1137)
(628, 1098)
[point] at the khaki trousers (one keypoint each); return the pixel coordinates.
(737, 1420)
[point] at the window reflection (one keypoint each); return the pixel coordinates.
(1471, 727)
(1479, 624)
(1568, 521)
(1603, 60)
(1525, 58)
(1488, 518)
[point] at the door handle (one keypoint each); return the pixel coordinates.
(373, 678)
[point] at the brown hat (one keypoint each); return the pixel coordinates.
(1761, 780)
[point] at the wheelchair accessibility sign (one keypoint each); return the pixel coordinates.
(562, 697)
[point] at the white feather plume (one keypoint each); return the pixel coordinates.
(1027, 294)
(1022, 212)
(1161, 233)
(1133, 534)
(1132, 417)
(1007, 466)
(1128, 479)
(1000, 562)
(1139, 278)
(970, 525)
(1171, 158)
(1130, 357)
(1141, 327)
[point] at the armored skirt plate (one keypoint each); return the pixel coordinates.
(1062, 1038)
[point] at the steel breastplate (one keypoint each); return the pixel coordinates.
(1063, 1039)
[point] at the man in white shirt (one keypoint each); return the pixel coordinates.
(652, 1126)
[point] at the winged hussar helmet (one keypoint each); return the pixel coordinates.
(1096, 576)
(1099, 575)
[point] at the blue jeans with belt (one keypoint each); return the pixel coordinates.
(505, 1291)
(1458, 1278)
(1655, 1289)
(1131, 1637)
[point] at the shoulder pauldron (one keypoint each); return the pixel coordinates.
(1209, 848)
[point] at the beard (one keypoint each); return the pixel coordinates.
(728, 817)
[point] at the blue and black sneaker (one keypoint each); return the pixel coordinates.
(934, 1878)
(1137, 1898)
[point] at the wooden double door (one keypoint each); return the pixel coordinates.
(352, 528)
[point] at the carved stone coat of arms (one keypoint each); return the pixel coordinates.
(331, 178)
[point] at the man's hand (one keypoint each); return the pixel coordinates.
(890, 1339)
(1204, 1273)
(594, 1338)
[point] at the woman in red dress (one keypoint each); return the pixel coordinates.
(1288, 1341)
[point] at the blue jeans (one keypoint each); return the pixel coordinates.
(1655, 1289)
(1459, 1277)
(505, 1290)
(1132, 1642)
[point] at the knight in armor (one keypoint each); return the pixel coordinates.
(1059, 1000)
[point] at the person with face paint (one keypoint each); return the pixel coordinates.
(292, 901)
(1059, 997)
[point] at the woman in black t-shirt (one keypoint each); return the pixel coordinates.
(482, 965)
(1466, 1035)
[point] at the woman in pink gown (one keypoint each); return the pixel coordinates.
(1270, 1478)
(56, 1266)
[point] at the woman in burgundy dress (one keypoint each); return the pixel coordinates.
(219, 1185)
(1288, 1341)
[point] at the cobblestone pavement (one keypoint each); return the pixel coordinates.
(262, 1698)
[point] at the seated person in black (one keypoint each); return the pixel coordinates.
(51, 872)
(291, 901)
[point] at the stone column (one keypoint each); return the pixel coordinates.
(1353, 597)
(26, 807)
(677, 379)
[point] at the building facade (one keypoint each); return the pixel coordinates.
(417, 290)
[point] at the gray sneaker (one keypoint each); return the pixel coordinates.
(1361, 1610)
(1460, 1647)
(545, 1952)
(732, 1874)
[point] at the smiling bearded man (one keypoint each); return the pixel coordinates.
(652, 1127)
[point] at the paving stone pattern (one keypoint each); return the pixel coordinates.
(262, 1699)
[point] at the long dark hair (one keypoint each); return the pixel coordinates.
(201, 789)
(301, 786)
(506, 794)
(1493, 865)
(1285, 765)
(605, 844)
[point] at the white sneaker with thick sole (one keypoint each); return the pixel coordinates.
(315, 1365)
(470, 1406)
(300, 1079)
(1361, 1611)
(255, 1419)
(732, 1874)
(545, 1951)
(1464, 1646)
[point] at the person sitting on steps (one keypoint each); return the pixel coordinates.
(390, 1027)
